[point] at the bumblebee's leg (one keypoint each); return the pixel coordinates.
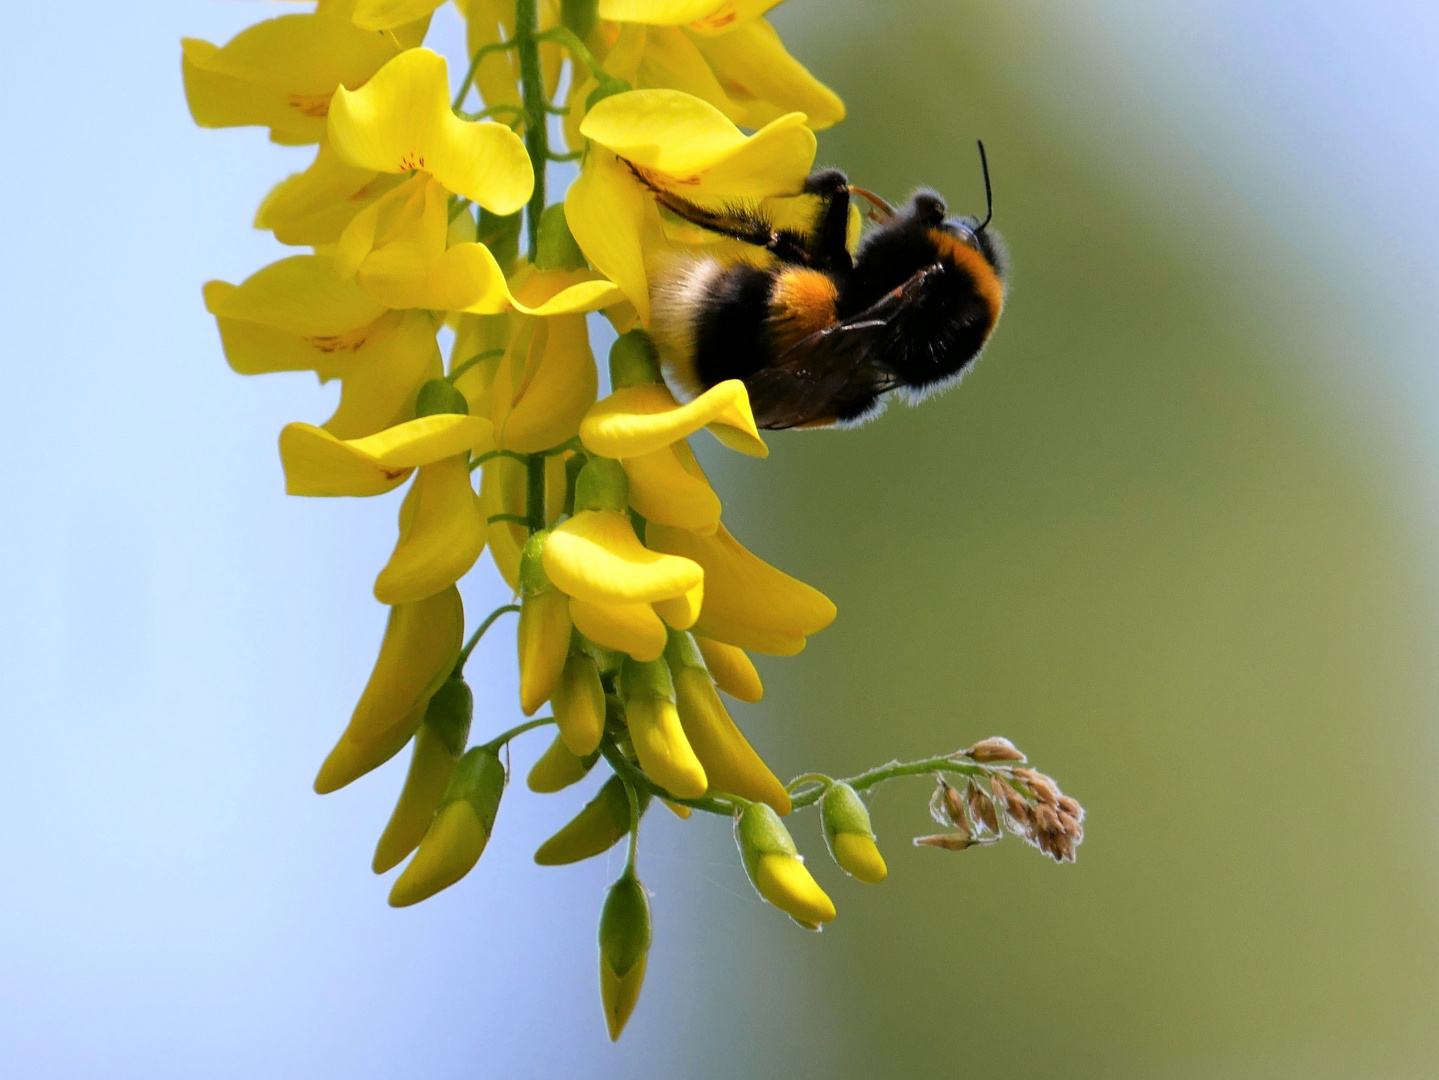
(828, 241)
(739, 224)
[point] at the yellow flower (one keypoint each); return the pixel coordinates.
(658, 737)
(729, 761)
(776, 870)
(624, 949)
(459, 832)
(579, 703)
(681, 142)
(733, 671)
(849, 834)
(442, 525)
(421, 644)
(604, 821)
(638, 420)
(388, 14)
(544, 629)
(747, 602)
(314, 206)
(282, 73)
(557, 768)
(401, 121)
(545, 383)
(299, 315)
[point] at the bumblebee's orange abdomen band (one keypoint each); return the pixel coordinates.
(802, 302)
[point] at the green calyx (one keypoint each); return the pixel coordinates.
(449, 714)
(439, 396)
(625, 927)
(533, 579)
(683, 652)
(602, 485)
(479, 779)
(634, 361)
(843, 811)
(646, 678)
(759, 831)
(557, 248)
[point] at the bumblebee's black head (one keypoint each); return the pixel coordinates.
(927, 209)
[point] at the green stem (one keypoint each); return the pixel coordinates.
(519, 729)
(564, 37)
(535, 493)
(629, 774)
(532, 92)
(634, 827)
(472, 361)
(475, 637)
(893, 769)
(494, 110)
(480, 54)
(573, 155)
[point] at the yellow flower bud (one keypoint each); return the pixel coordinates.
(438, 745)
(579, 703)
(544, 630)
(729, 761)
(603, 822)
(625, 934)
(733, 671)
(655, 730)
(459, 832)
(776, 870)
(848, 833)
(558, 768)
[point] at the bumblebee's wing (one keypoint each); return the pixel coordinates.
(809, 381)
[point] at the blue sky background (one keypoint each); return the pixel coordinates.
(180, 644)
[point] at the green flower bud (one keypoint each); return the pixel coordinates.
(440, 396)
(625, 934)
(459, 832)
(603, 822)
(558, 767)
(602, 485)
(438, 745)
(849, 835)
(557, 249)
(776, 870)
(634, 361)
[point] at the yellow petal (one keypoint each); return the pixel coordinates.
(422, 642)
(637, 420)
(681, 612)
(579, 704)
(698, 148)
(442, 534)
(490, 22)
(502, 491)
(859, 855)
(401, 120)
(431, 766)
(454, 843)
(663, 490)
(387, 14)
(620, 994)
(785, 883)
(672, 61)
(743, 591)
(658, 12)
(301, 295)
(349, 760)
(544, 644)
(733, 671)
(313, 207)
(596, 556)
(615, 221)
(757, 72)
(552, 382)
(730, 14)
(556, 769)
(728, 759)
(317, 463)
(660, 744)
(628, 628)
(602, 823)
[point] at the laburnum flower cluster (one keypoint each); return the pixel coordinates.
(636, 607)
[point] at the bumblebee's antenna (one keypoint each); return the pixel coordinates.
(988, 192)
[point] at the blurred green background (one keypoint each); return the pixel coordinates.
(1156, 540)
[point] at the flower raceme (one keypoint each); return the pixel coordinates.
(637, 607)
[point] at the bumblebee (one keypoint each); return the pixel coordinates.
(821, 335)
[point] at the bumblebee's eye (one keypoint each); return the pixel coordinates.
(964, 230)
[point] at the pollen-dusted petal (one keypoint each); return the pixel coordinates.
(442, 534)
(733, 671)
(544, 385)
(657, 12)
(663, 490)
(615, 221)
(313, 207)
(682, 612)
(596, 556)
(387, 14)
(350, 759)
(741, 588)
(698, 149)
(401, 121)
(728, 759)
(302, 295)
(317, 463)
(422, 642)
(660, 744)
(753, 65)
(628, 628)
(637, 420)
(785, 883)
